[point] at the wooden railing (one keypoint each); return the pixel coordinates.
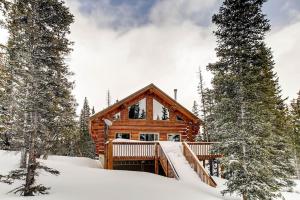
(118, 151)
(203, 149)
(196, 165)
(143, 150)
(166, 164)
(128, 151)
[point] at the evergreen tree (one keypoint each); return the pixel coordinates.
(295, 115)
(93, 110)
(4, 139)
(165, 113)
(143, 114)
(41, 106)
(86, 145)
(247, 104)
(195, 109)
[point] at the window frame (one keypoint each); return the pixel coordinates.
(154, 118)
(136, 102)
(123, 133)
(169, 134)
(149, 133)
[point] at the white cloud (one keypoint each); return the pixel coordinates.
(166, 52)
(176, 12)
(285, 44)
(168, 56)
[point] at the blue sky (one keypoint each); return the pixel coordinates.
(123, 45)
(280, 12)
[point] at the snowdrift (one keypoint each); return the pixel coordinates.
(83, 178)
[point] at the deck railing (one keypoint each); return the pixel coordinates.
(193, 152)
(196, 165)
(166, 164)
(203, 149)
(124, 150)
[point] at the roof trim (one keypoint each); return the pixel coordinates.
(141, 91)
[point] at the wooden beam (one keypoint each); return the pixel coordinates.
(149, 108)
(156, 159)
(110, 155)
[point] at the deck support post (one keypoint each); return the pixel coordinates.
(110, 155)
(156, 159)
(211, 169)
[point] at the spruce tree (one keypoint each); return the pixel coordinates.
(295, 139)
(41, 106)
(247, 104)
(4, 139)
(165, 113)
(85, 143)
(195, 109)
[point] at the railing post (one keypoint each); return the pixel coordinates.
(156, 158)
(105, 155)
(110, 155)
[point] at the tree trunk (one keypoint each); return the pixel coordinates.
(32, 164)
(23, 160)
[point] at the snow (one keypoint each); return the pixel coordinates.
(186, 174)
(82, 178)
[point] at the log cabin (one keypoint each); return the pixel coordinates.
(148, 116)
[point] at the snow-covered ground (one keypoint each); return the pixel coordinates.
(83, 178)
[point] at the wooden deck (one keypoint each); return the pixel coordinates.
(143, 151)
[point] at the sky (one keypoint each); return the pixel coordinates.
(124, 45)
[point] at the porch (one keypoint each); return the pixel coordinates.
(122, 153)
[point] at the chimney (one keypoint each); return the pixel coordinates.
(175, 94)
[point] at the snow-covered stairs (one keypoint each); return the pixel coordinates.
(185, 163)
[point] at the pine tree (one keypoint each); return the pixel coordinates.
(93, 110)
(246, 104)
(165, 113)
(295, 139)
(143, 114)
(86, 145)
(4, 139)
(195, 109)
(41, 105)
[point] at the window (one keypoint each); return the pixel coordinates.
(123, 136)
(117, 116)
(159, 111)
(175, 137)
(178, 118)
(149, 137)
(137, 110)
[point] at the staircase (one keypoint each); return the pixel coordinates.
(180, 162)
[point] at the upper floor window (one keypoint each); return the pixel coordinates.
(179, 118)
(137, 110)
(160, 112)
(117, 116)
